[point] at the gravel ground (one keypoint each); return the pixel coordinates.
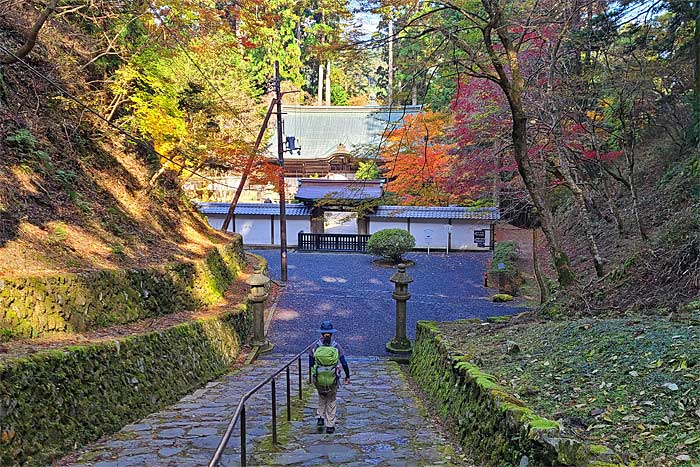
(355, 295)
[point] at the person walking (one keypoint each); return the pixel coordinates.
(326, 357)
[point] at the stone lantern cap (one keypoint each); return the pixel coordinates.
(258, 279)
(401, 277)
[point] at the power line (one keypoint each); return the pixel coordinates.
(129, 135)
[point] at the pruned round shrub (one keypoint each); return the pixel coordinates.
(391, 243)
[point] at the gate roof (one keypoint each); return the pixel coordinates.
(314, 189)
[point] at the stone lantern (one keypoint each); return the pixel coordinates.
(259, 286)
(400, 343)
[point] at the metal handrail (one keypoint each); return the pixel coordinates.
(239, 414)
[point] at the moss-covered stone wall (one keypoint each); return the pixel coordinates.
(496, 427)
(32, 306)
(55, 400)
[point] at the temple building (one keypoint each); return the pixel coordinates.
(320, 142)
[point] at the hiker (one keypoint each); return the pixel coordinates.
(325, 358)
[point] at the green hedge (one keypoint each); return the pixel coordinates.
(391, 243)
(496, 427)
(55, 400)
(32, 306)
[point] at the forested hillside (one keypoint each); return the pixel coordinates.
(580, 118)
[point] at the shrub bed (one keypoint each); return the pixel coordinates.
(55, 400)
(32, 306)
(494, 425)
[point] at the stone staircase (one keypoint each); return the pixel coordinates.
(380, 423)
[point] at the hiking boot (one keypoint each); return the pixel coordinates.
(330, 429)
(319, 421)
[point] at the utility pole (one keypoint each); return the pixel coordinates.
(280, 158)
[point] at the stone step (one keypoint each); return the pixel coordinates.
(380, 422)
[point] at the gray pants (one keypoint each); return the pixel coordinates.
(327, 406)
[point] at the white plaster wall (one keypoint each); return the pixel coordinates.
(463, 235)
(420, 229)
(294, 226)
(377, 224)
(255, 229)
(217, 220)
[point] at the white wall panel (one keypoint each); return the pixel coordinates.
(294, 226)
(377, 224)
(217, 220)
(255, 229)
(429, 233)
(463, 235)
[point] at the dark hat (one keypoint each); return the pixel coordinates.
(327, 328)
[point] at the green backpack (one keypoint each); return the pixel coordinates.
(326, 366)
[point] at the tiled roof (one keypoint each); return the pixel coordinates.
(354, 190)
(437, 212)
(319, 130)
(259, 209)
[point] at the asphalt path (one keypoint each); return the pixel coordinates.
(355, 295)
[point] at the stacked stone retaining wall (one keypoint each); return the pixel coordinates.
(493, 425)
(57, 400)
(34, 306)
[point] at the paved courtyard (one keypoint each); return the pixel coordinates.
(356, 295)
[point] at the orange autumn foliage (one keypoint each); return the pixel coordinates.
(417, 158)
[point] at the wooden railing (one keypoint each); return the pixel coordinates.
(332, 242)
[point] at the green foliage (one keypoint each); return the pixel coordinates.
(22, 139)
(117, 249)
(66, 177)
(58, 233)
(684, 177)
(391, 243)
(368, 170)
(339, 96)
(505, 253)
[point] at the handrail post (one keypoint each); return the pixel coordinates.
(289, 397)
(300, 394)
(274, 412)
(243, 441)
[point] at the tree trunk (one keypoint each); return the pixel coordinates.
(30, 39)
(579, 195)
(319, 100)
(154, 178)
(328, 83)
(414, 85)
(565, 274)
(696, 77)
(544, 291)
(512, 84)
(629, 158)
(390, 90)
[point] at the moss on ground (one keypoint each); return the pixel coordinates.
(631, 384)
